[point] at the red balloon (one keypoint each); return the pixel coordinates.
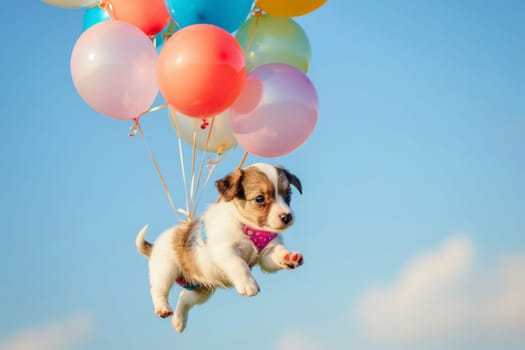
(201, 70)
(151, 16)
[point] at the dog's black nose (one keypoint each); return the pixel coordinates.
(286, 218)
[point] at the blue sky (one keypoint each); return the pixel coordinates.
(411, 223)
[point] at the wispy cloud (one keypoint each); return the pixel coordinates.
(295, 340)
(66, 334)
(440, 299)
(437, 297)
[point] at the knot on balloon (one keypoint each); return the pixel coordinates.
(257, 12)
(134, 129)
(204, 124)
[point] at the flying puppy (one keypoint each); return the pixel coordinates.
(218, 250)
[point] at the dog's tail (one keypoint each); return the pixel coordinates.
(144, 247)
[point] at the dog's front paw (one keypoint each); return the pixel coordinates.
(164, 311)
(248, 288)
(292, 261)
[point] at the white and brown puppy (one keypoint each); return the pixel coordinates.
(218, 251)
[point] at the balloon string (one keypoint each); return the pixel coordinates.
(193, 158)
(175, 123)
(154, 109)
(205, 151)
(245, 155)
(157, 168)
(257, 13)
(201, 166)
(184, 180)
(212, 165)
(154, 41)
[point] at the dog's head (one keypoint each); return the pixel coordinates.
(261, 194)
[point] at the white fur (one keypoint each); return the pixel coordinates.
(224, 258)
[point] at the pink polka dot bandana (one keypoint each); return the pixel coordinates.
(259, 238)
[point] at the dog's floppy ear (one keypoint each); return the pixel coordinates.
(294, 180)
(230, 186)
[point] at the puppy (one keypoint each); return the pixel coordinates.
(218, 250)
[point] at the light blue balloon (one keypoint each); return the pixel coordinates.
(93, 16)
(227, 14)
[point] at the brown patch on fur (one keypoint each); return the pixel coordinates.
(255, 183)
(183, 241)
(230, 186)
(145, 248)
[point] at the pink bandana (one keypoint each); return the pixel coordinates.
(258, 237)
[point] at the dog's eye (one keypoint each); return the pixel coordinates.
(259, 199)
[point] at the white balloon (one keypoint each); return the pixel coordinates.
(221, 137)
(71, 4)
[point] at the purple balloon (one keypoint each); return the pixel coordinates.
(276, 111)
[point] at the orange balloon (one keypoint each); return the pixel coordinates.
(151, 16)
(201, 70)
(289, 8)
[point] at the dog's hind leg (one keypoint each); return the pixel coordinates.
(162, 277)
(187, 299)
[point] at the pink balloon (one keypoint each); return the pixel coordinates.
(114, 69)
(276, 111)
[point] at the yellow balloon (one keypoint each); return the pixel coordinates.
(71, 4)
(221, 137)
(289, 8)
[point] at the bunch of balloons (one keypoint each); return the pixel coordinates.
(239, 65)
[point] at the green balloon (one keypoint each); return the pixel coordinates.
(270, 39)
